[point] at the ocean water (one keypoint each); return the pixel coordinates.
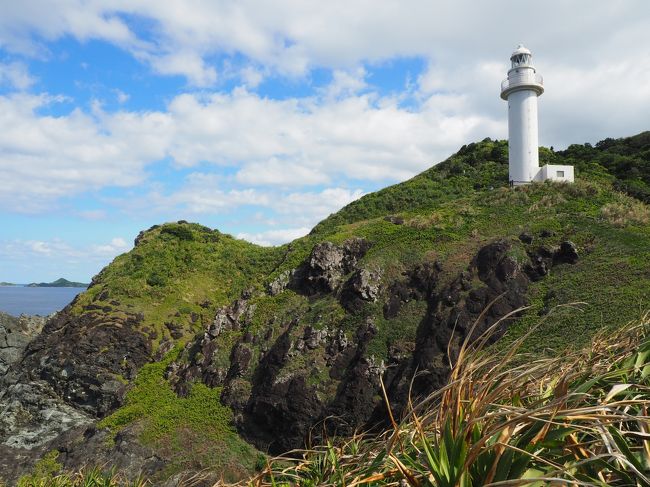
(36, 300)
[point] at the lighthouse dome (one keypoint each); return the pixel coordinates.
(521, 57)
(521, 49)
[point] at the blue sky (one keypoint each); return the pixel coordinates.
(261, 118)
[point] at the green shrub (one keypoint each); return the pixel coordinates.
(182, 232)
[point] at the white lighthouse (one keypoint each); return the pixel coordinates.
(522, 88)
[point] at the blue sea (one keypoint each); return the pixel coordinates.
(36, 300)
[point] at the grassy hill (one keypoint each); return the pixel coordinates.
(180, 276)
(60, 282)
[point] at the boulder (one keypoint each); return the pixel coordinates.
(327, 264)
(566, 254)
(362, 286)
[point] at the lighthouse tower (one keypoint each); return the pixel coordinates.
(522, 88)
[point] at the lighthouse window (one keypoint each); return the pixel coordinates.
(560, 174)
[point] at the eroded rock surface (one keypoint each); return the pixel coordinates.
(327, 265)
(15, 334)
(85, 359)
(303, 379)
(287, 380)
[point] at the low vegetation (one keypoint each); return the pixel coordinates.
(88, 477)
(177, 276)
(192, 430)
(577, 419)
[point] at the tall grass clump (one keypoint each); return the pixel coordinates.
(578, 419)
(86, 477)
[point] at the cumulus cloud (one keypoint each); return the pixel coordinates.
(465, 44)
(346, 83)
(275, 236)
(44, 158)
(291, 36)
(609, 99)
(38, 260)
(121, 96)
(285, 143)
(116, 246)
(16, 75)
(310, 207)
(57, 247)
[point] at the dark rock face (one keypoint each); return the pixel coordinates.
(67, 376)
(286, 381)
(281, 407)
(363, 286)
(201, 355)
(566, 254)
(82, 358)
(277, 406)
(354, 400)
(85, 445)
(543, 259)
(280, 283)
(327, 265)
(526, 238)
(420, 283)
(124, 452)
(454, 312)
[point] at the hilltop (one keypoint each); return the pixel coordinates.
(198, 350)
(60, 282)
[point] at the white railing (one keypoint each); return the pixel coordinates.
(522, 79)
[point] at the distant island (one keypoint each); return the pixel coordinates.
(7, 284)
(61, 282)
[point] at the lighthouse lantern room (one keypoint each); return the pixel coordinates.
(522, 88)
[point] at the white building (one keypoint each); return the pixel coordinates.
(521, 89)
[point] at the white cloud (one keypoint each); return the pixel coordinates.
(46, 260)
(187, 63)
(309, 208)
(346, 82)
(606, 100)
(290, 36)
(121, 96)
(59, 249)
(93, 214)
(597, 82)
(201, 194)
(116, 246)
(275, 237)
(16, 75)
(279, 172)
(285, 143)
(251, 76)
(39, 247)
(44, 158)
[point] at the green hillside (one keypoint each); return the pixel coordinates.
(61, 282)
(179, 276)
(178, 273)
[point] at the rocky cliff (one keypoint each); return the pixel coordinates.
(194, 346)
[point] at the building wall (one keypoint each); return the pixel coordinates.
(556, 172)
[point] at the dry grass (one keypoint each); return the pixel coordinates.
(578, 419)
(626, 212)
(547, 201)
(422, 222)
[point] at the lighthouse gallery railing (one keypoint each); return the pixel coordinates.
(522, 79)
